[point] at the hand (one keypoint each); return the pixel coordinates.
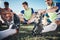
(42, 11)
(29, 21)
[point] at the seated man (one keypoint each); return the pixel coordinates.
(13, 23)
(27, 15)
(6, 5)
(51, 27)
(55, 20)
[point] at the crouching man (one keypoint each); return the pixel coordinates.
(13, 23)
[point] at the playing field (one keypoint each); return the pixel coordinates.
(25, 34)
(26, 30)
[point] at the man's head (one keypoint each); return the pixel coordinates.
(25, 5)
(49, 2)
(7, 16)
(6, 4)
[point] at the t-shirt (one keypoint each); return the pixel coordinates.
(52, 15)
(27, 13)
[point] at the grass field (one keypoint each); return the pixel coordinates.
(25, 34)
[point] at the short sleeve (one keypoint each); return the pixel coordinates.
(32, 10)
(22, 11)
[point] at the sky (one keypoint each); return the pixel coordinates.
(16, 5)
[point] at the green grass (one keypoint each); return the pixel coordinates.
(25, 34)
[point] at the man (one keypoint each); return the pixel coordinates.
(12, 21)
(6, 4)
(51, 10)
(27, 14)
(52, 16)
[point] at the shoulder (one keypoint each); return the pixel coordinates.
(22, 11)
(32, 10)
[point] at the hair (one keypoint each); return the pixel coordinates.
(6, 3)
(25, 3)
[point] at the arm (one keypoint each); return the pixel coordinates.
(33, 14)
(53, 9)
(16, 24)
(16, 20)
(21, 16)
(32, 17)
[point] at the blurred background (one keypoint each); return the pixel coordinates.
(16, 5)
(25, 30)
